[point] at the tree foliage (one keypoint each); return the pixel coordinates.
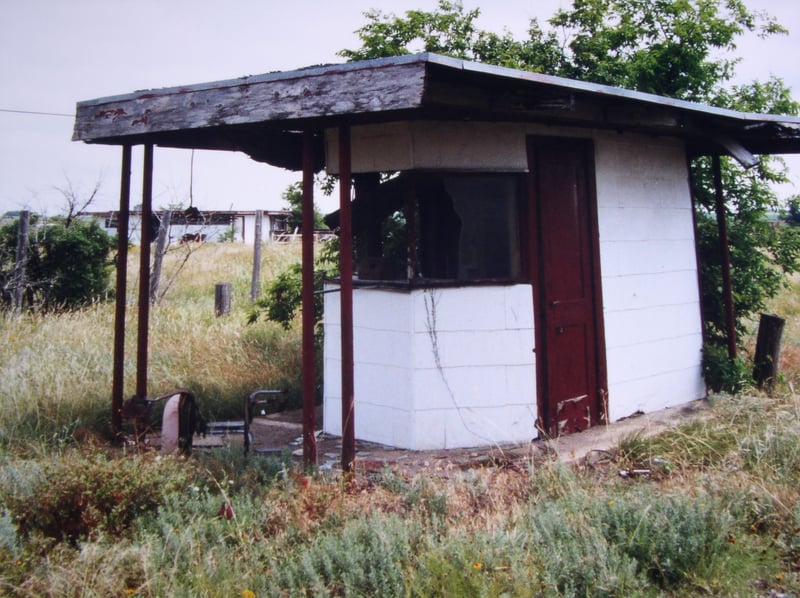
(677, 48)
(67, 262)
(283, 296)
(761, 252)
(293, 196)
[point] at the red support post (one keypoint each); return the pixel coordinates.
(346, 297)
(118, 383)
(727, 284)
(144, 285)
(309, 377)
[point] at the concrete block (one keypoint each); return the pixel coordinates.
(670, 389)
(632, 327)
(653, 359)
(625, 258)
(649, 290)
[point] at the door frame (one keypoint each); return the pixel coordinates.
(536, 270)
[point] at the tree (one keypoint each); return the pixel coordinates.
(676, 48)
(792, 216)
(66, 263)
(761, 253)
(293, 195)
(451, 30)
(75, 201)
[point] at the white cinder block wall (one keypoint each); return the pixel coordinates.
(651, 303)
(436, 368)
(455, 367)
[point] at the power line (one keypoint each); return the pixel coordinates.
(36, 113)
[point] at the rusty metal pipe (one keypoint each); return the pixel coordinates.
(144, 285)
(346, 301)
(727, 283)
(118, 383)
(309, 378)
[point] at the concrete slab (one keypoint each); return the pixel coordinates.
(284, 432)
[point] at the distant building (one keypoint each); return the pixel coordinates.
(210, 226)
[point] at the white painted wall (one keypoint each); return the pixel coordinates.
(439, 368)
(482, 388)
(649, 269)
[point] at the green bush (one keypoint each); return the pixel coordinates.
(77, 496)
(67, 263)
(368, 557)
(669, 537)
(574, 556)
(283, 296)
(723, 374)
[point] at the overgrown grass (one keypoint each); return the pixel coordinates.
(717, 514)
(55, 369)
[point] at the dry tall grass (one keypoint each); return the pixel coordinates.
(56, 369)
(787, 306)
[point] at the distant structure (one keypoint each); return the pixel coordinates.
(209, 226)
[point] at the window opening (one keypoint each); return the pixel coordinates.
(464, 227)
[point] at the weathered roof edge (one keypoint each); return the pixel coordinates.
(309, 71)
(602, 89)
(457, 64)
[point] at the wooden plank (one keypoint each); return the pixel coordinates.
(331, 93)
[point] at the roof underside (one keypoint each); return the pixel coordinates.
(264, 115)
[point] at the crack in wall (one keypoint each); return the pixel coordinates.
(430, 301)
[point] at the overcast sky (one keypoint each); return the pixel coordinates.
(54, 53)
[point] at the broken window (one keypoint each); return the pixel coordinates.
(437, 227)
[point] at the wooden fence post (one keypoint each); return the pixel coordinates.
(21, 259)
(256, 282)
(222, 299)
(162, 244)
(768, 350)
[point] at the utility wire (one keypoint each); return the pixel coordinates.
(36, 113)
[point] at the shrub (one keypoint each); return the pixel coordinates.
(67, 263)
(573, 555)
(77, 496)
(284, 294)
(723, 374)
(368, 557)
(669, 537)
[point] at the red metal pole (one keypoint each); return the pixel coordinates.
(144, 272)
(346, 305)
(118, 384)
(727, 284)
(309, 378)
(692, 194)
(144, 288)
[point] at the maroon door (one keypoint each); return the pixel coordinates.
(566, 284)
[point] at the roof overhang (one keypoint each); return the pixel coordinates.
(265, 115)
